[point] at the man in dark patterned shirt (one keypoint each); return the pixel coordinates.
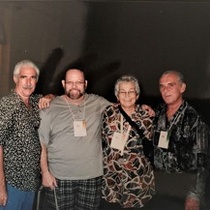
(181, 145)
(19, 140)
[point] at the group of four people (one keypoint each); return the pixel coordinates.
(92, 149)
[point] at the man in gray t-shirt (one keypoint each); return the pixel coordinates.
(71, 159)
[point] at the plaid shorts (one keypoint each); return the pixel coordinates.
(75, 194)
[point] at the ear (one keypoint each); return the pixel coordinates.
(86, 83)
(183, 87)
(15, 79)
(63, 83)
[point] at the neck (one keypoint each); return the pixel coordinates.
(74, 101)
(24, 98)
(173, 108)
(129, 110)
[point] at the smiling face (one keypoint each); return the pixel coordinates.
(25, 81)
(74, 84)
(171, 88)
(127, 95)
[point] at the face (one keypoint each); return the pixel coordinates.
(127, 95)
(25, 81)
(171, 88)
(74, 84)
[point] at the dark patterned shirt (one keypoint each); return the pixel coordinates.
(188, 145)
(20, 141)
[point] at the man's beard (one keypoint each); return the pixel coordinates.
(75, 94)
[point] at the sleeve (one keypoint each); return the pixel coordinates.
(202, 154)
(44, 129)
(106, 131)
(104, 104)
(148, 128)
(6, 119)
(147, 142)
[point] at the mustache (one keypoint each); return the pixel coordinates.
(28, 86)
(81, 92)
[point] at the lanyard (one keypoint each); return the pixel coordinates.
(71, 112)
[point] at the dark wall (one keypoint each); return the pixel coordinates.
(147, 38)
(111, 38)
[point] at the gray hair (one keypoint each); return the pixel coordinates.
(127, 78)
(23, 63)
(177, 73)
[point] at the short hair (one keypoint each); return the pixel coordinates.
(82, 71)
(23, 63)
(127, 78)
(177, 73)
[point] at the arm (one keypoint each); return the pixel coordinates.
(147, 140)
(104, 134)
(149, 109)
(48, 180)
(44, 101)
(195, 195)
(7, 107)
(3, 192)
(107, 131)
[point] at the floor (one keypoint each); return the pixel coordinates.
(158, 203)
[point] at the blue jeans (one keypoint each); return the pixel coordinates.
(18, 200)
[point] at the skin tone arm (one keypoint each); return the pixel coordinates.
(48, 180)
(3, 192)
(149, 109)
(44, 101)
(192, 204)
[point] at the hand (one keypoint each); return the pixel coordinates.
(149, 109)
(3, 195)
(44, 102)
(48, 180)
(192, 204)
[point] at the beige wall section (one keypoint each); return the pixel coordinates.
(5, 80)
(33, 29)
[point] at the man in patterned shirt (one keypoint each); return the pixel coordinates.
(181, 145)
(19, 141)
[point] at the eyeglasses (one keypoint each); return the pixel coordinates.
(77, 83)
(130, 93)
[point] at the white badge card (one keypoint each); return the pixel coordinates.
(118, 141)
(80, 128)
(163, 140)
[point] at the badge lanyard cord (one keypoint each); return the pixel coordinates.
(176, 119)
(132, 123)
(70, 110)
(147, 145)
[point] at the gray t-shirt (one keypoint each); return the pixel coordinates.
(70, 157)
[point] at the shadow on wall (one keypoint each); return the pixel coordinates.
(47, 71)
(50, 81)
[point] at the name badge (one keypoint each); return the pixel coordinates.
(80, 128)
(163, 140)
(118, 141)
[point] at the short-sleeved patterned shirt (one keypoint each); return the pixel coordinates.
(20, 141)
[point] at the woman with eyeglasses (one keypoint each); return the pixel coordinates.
(128, 180)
